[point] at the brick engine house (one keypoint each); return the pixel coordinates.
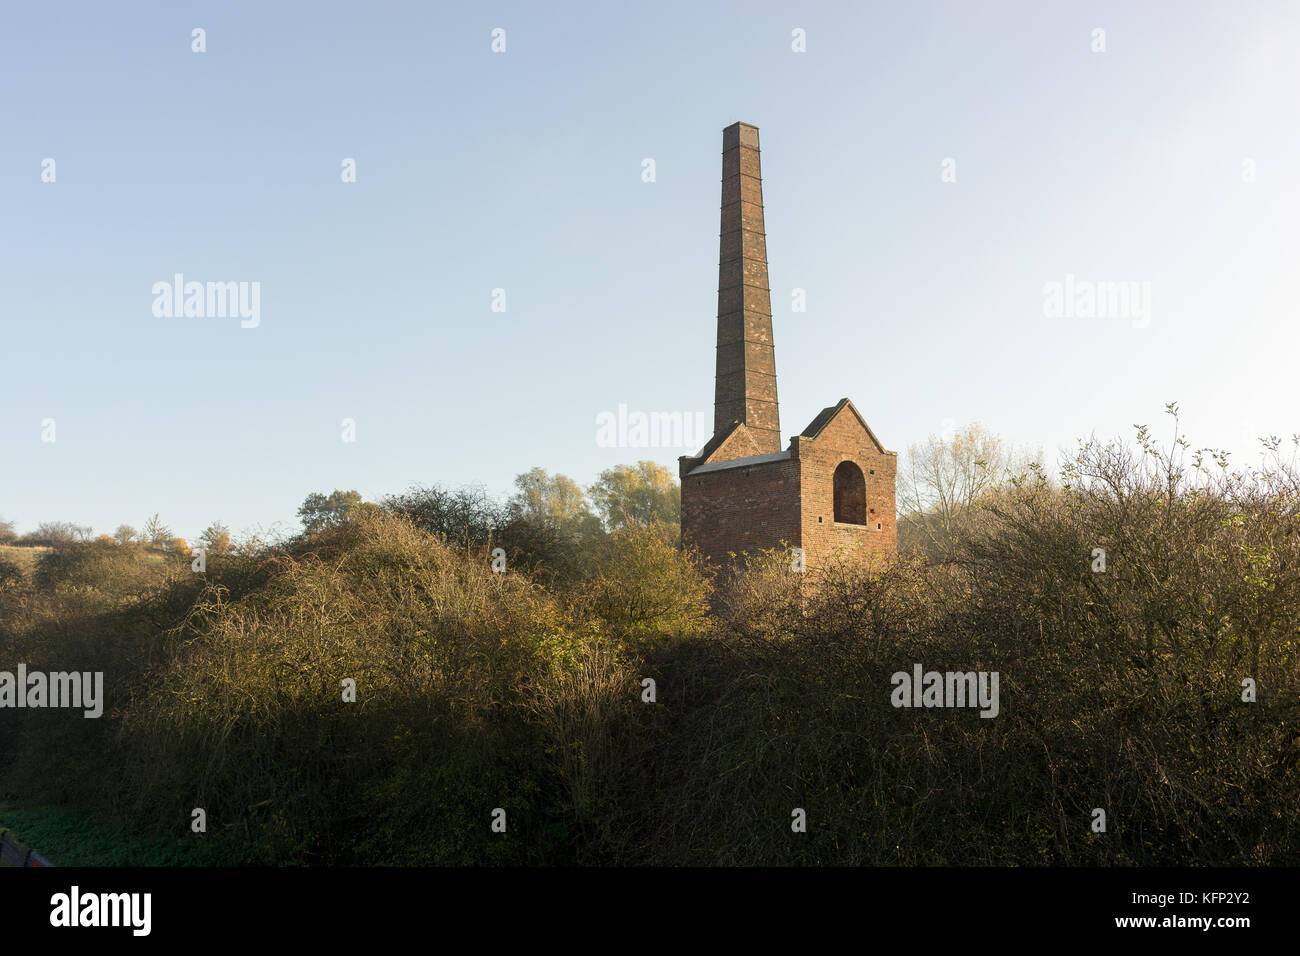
(831, 491)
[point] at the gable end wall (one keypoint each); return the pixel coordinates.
(844, 439)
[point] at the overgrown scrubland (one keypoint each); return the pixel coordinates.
(1121, 689)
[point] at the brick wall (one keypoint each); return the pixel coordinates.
(844, 439)
(753, 507)
(748, 508)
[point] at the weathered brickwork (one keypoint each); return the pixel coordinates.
(732, 504)
(845, 438)
(742, 493)
(747, 508)
(745, 386)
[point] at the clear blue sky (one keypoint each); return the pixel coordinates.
(522, 171)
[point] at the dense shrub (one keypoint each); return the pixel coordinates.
(643, 587)
(11, 575)
(113, 570)
(1120, 689)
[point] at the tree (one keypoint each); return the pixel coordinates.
(645, 493)
(320, 511)
(469, 518)
(552, 501)
(7, 531)
(216, 538)
(550, 524)
(156, 533)
(125, 534)
(941, 482)
(58, 534)
(466, 516)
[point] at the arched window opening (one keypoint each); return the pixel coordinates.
(850, 494)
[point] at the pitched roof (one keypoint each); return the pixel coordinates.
(822, 420)
(742, 462)
(828, 414)
(716, 441)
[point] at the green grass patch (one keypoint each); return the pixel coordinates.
(67, 837)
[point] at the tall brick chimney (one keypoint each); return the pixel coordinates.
(746, 381)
